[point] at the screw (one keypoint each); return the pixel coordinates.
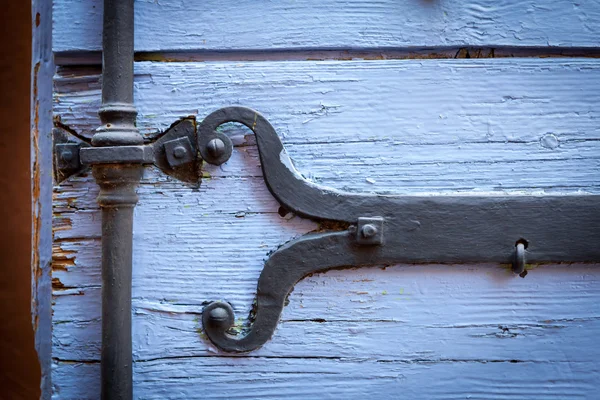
(216, 148)
(66, 155)
(179, 152)
(368, 231)
(219, 316)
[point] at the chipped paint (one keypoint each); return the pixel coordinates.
(41, 183)
(432, 127)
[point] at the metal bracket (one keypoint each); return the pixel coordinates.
(369, 230)
(67, 161)
(174, 152)
(418, 229)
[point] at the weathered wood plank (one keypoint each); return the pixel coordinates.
(366, 126)
(407, 101)
(410, 127)
(266, 378)
(42, 70)
(347, 314)
(214, 25)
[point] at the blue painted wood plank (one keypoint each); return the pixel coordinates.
(317, 24)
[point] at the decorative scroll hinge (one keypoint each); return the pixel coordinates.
(382, 229)
(416, 229)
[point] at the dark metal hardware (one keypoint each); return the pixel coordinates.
(215, 147)
(374, 229)
(118, 182)
(179, 152)
(417, 229)
(67, 161)
(519, 261)
(181, 134)
(369, 230)
(175, 152)
(138, 154)
(67, 156)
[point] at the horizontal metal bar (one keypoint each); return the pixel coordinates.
(138, 154)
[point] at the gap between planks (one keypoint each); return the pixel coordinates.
(74, 58)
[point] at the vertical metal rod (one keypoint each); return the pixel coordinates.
(117, 199)
(117, 112)
(118, 183)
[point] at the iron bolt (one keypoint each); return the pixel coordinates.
(66, 155)
(216, 147)
(219, 316)
(369, 231)
(179, 152)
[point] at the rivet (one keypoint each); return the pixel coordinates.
(66, 155)
(215, 147)
(179, 152)
(219, 316)
(368, 231)
(549, 141)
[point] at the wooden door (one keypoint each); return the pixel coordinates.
(404, 97)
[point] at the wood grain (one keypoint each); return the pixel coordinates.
(189, 25)
(332, 378)
(437, 331)
(503, 126)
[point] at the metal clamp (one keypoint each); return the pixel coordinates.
(174, 152)
(418, 229)
(136, 154)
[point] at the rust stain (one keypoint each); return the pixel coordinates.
(369, 54)
(57, 284)
(325, 226)
(37, 217)
(60, 223)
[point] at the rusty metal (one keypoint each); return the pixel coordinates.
(117, 140)
(385, 230)
(117, 157)
(67, 161)
(373, 229)
(187, 167)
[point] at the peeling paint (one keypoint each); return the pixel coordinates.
(62, 259)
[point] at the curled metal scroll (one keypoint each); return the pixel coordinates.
(390, 229)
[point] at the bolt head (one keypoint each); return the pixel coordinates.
(219, 317)
(215, 147)
(369, 231)
(66, 155)
(179, 152)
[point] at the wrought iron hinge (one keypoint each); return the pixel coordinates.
(381, 229)
(175, 152)
(394, 229)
